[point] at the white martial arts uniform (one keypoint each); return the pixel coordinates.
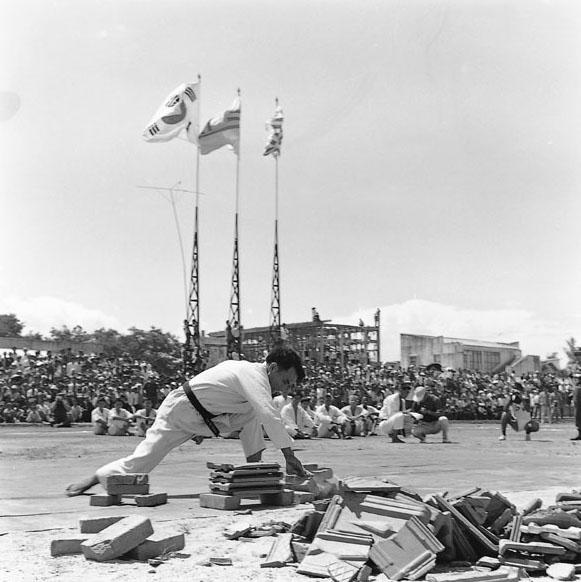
(299, 421)
(391, 415)
(326, 417)
(238, 391)
(103, 415)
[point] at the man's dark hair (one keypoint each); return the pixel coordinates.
(286, 358)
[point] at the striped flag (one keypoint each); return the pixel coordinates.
(222, 130)
(179, 113)
(274, 127)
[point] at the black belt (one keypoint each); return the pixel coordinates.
(206, 416)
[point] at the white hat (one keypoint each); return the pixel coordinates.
(419, 394)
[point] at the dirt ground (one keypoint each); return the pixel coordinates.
(36, 463)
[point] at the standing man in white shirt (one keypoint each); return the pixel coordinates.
(234, 395)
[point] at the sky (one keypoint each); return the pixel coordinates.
(430, 165)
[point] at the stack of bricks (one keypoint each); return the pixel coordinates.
(541, 537)
(229, 484)
(136, 486)
(107, 538)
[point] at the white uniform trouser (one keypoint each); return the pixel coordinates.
(393, 423)
(177, 421)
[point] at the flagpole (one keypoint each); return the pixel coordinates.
(192, 353)
(275, 319)
(234, 323)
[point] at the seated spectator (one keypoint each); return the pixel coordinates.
(119, 419)
(100, 416)
(297, 421)
(354, 413)
(281, 401)
(371, 416)
(330, 420)
(34, 415)
(60, 413)
(144, 418)
(76, 411)
(9, 414)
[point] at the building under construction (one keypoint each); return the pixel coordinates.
(320, 341)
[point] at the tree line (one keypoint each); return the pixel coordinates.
(160, 349)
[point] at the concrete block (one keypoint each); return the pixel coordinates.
(303, 497)
(135, 479)
(151, 500)
(531, 506)
(215, 501)
(530, 548)
(117, 539)
(96, 524)
(283, 499)
(164, 540)
(66, 545)
(342, 571)
(280, 553)
(299, 549)
(105, 500)
(126, 489)
(560, 571)
(502, 574)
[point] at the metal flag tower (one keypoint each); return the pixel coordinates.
(234, 323)
(193, 361)
(273, 147)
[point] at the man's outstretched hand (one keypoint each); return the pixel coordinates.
(293, 465)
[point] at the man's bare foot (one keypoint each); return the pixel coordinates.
(79, 488)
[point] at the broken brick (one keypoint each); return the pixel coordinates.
(117, 539)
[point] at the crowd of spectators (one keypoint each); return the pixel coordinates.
(63, 388)
(465, 394)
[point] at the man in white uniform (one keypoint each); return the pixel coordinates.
(234, 395)
(100, 417)
(392, 415)
(330, 420)
(297, 422)
(119, 419)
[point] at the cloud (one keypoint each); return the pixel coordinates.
(40, 314)
(416, 316)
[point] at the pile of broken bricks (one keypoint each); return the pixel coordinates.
(375, 527)
(361, 527)
(108, 538)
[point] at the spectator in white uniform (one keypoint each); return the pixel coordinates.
(100, 417)
(119, 419)
(230, 396)
(392, 415)
(296, 420)
(331, 421)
